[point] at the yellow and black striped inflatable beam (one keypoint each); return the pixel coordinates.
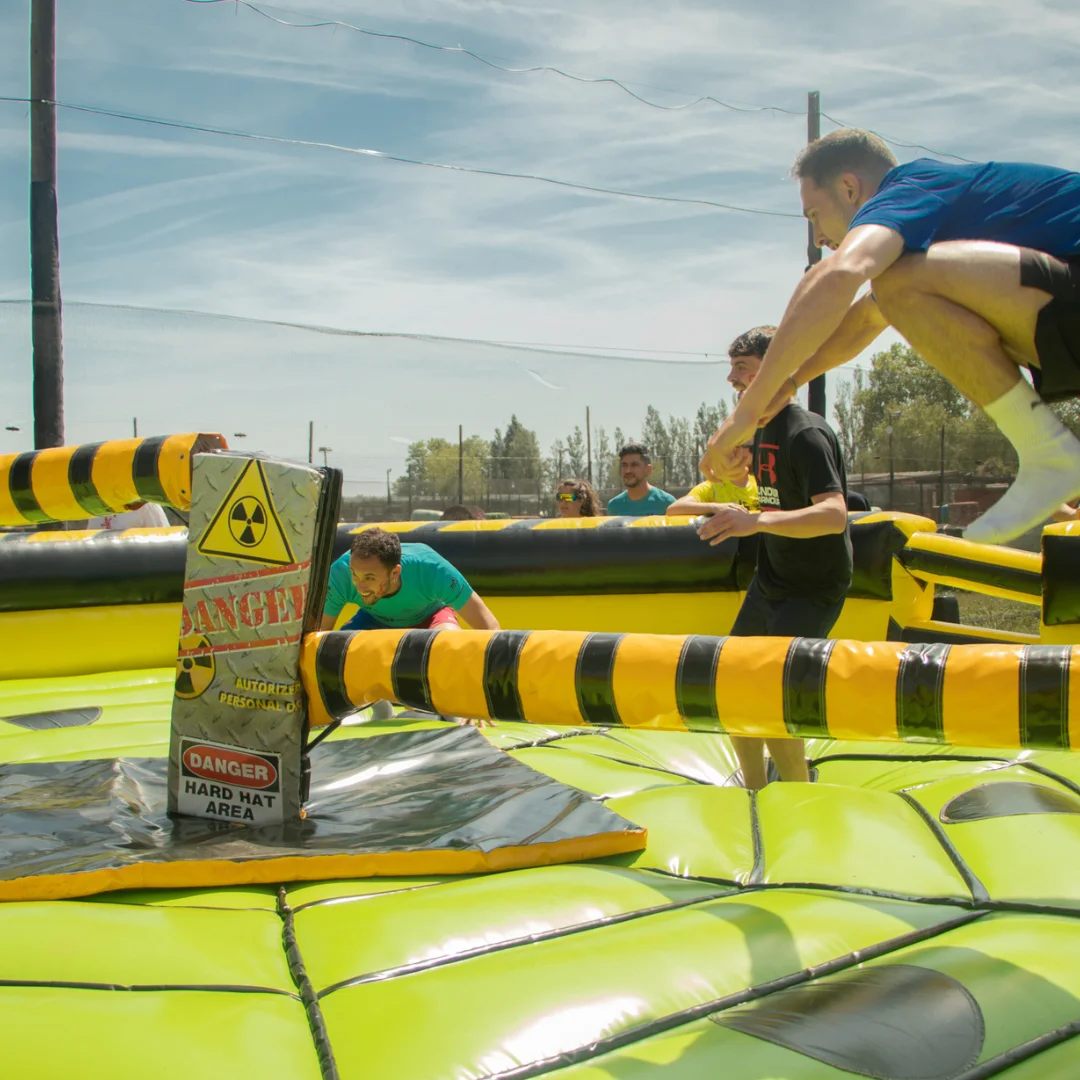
(70, 483)
(1003, 696)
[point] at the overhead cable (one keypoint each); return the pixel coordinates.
(539, 68)
(380, 154)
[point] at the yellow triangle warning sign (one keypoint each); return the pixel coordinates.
(246, 525)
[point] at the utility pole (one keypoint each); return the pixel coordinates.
(135, 427)
(460, 465)
(941, 479)
(311, 442)
(816, 386)
(44, 231)
(588, 442)
(389, 500)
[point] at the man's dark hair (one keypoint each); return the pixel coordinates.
(847, 150)
(635, 448)
(458, 512)
(378, 544)
(755, 342)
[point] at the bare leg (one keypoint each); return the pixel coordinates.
(961, 305)
(751, 755)
(790, 758)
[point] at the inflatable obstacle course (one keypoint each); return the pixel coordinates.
(913, 913)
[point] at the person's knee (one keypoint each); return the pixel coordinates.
(902, 284)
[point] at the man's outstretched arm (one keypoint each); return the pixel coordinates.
(816, 311)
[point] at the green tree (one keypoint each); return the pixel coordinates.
(903, 392)
(577, 460)
(431, 469)
(515, 455)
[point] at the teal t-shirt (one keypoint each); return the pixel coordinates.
(656, 502)
(428, 583)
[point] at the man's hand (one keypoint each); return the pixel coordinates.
(731, 519)
(733, 465)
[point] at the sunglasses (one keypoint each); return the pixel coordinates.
(566, 496)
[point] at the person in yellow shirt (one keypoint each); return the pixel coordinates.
(710, 495)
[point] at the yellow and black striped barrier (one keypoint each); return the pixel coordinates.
(984, 568)
(70, 483)
(1003, 696)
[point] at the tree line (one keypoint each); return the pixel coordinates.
(932, 426)
(513, 462)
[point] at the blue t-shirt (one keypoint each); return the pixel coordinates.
(656, 502)
(927, 201)
(428, 583)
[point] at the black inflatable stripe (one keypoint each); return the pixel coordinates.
(974, 886)
(144, 470)
(328, 1069)
(501, 660)
(805, 666)
(1061, 580)
(1044, 696)
(21, 487)
(408, 672)
(330, 673)
(920, 683)
(695, 678)
(81, 479)
(593, 679)
(979, 573)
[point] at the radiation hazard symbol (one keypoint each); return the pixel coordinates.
(194, 673)
(246, 525)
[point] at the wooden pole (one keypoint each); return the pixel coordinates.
(311, 442)
(816, 386)
(588, 442)
(460, 465)
(46, 330)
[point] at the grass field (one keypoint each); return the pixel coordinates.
(995, 613)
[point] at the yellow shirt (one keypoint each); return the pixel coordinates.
(724, 491)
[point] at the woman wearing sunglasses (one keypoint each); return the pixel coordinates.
(576, 498)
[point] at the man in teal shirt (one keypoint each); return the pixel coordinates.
(400, 586)
(640, 498)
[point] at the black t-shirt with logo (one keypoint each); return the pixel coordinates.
(797, 456)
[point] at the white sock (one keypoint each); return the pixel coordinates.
(1024, 418)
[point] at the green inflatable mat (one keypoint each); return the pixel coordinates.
(909, 916)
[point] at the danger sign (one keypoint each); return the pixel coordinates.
(229, 783)
(246, 525)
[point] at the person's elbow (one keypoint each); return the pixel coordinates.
(684, 508)
(831, 516)
(835, 519)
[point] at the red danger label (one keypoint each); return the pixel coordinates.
(233, 766)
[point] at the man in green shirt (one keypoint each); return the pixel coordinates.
(640, 498)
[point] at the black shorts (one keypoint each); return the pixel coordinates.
(1057, 331)
(794, 616)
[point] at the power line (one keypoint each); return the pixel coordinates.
(700, 99)
(184, 125)
(488, 62)
(593, 352)
(904, 145)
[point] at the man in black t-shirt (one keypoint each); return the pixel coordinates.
(804, 554)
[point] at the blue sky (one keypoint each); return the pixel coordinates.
(163, 218)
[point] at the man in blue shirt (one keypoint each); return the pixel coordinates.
(399, 586)
(977, 266)
(640, 498)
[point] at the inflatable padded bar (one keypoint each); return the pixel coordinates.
(964, 695)
(71, 483)
(440, 801)
(535, 557)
